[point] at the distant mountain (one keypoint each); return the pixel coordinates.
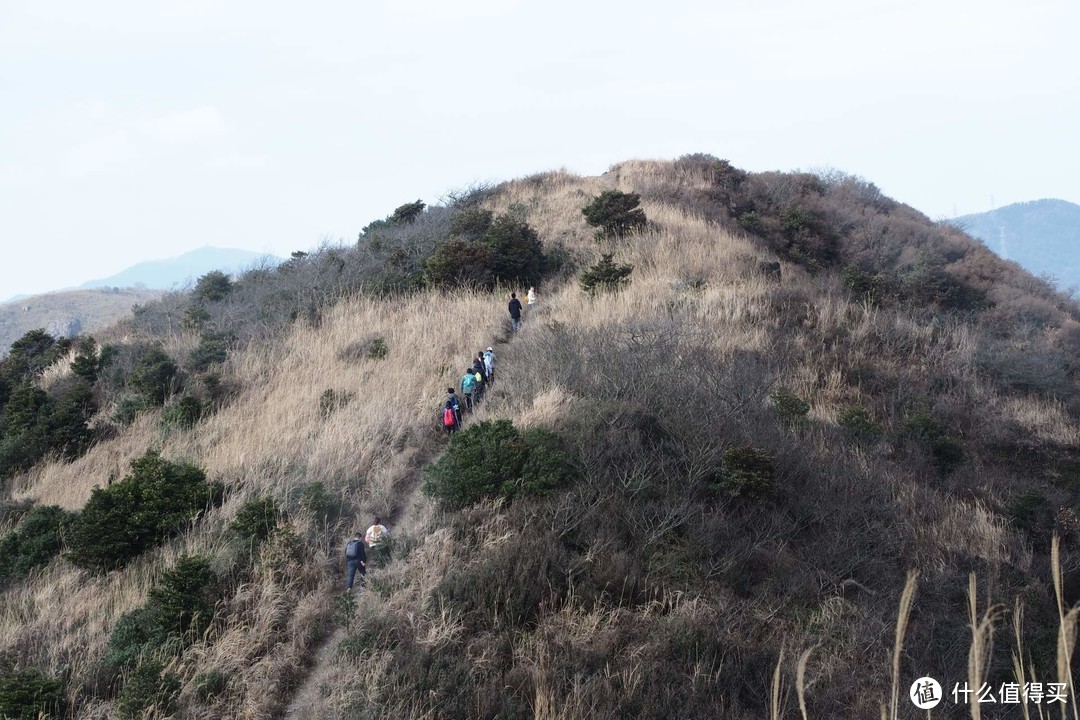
(68, 312)
(178, 271)
(1042, 235)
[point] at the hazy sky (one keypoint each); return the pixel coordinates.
(134, 130)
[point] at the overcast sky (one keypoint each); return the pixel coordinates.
(134, 130)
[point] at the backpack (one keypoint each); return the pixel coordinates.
(448, 418)
(468, 382)
(352, 550)
(479, 377)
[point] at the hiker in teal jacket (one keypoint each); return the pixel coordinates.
(468, 385)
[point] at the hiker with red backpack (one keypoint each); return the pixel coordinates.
(451, 418)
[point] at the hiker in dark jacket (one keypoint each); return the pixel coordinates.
(481, 385)
(452, 398)
(515, 312)
(479, 363)
(356, 559)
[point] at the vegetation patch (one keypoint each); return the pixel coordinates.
(493, 459)
(615, 213)
(606, 276)
(157, 500)
(28, 694)
(35, 542)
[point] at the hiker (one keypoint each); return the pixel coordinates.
(452, 398)
(489, 363)
(478, 374)
(481, 364)
(515, 312)
(356, 560)
(531, 297)
(468, 386)
(377, 538)
(449, 418)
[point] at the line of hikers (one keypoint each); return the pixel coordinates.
(478, 377)
(475, 382)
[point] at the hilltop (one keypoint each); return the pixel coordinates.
(1042, 235)
(68, 313)
(718, 466)
(177, 272)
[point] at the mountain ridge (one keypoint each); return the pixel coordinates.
(1043, 236)
(173, 272)
(736, 466)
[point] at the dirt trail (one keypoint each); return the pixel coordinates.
(307, 702)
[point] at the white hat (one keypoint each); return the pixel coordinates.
(490, 350)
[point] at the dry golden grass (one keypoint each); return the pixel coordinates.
(272, 439)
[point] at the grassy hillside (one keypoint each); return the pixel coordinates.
(85, 311)
(756, 465)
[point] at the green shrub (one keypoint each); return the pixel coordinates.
(315, 498)
(210, 685)
(256, 520)
(750, 221)
(85, 364)
(182, 604)
(407, 213)
(488, 250)
(213, 286)
(947, 454)
(178, 610)
(149, 686)
(458, 262)
(35, 425)
(131, 636)
(181, 414)
(795, 218)
(517, 255)
(472, 223)
(547, 465)
(858, 422)
(34, 542)
(154, 376)
(377, 349)
(28, 694)
(748, 473)
(491, 458)
(606, 276)
(616, 213)
(196, 317)
(790, 409)
(212, 348)
(128, 408)
(333, 400)
(1031, 512)
(157, 500)
(868, 284)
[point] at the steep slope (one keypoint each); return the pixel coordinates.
(758, 463)
(646, 586)
(1042, 235)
